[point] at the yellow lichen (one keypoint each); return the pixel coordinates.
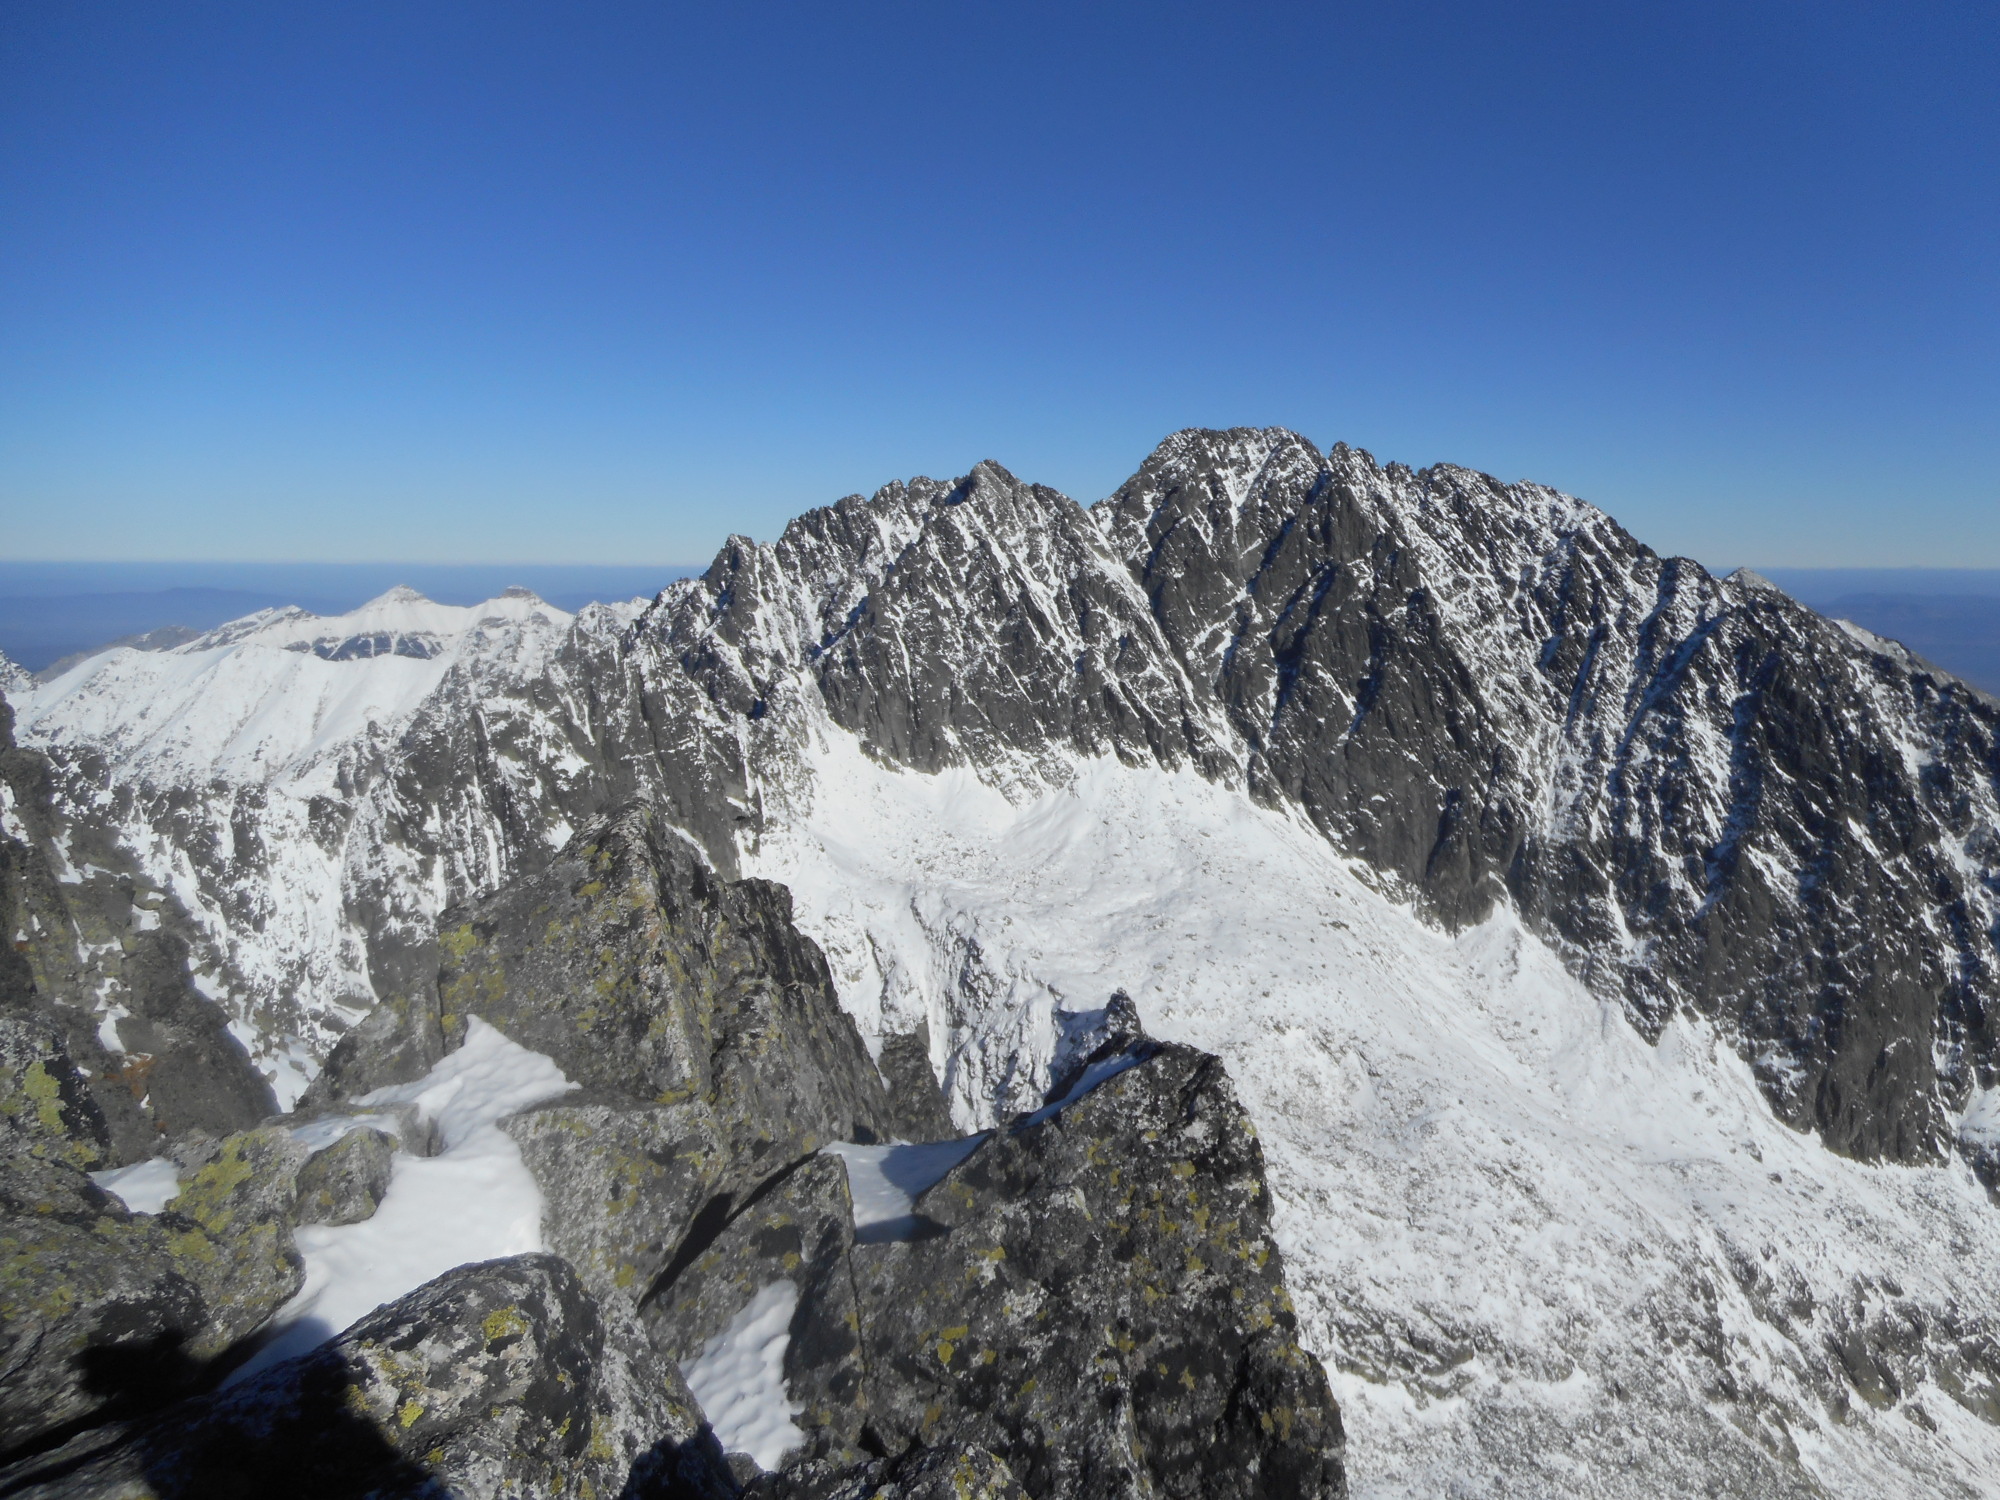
(503, 1322)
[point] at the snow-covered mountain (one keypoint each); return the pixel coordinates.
(1604, 950)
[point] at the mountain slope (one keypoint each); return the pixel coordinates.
(1734, 856)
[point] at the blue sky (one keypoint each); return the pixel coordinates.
(602, 283)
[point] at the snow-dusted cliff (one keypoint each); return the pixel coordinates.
(1532, 885)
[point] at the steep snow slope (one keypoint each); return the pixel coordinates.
(1540, 1255)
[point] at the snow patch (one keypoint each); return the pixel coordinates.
(885, 1182)
(144, 1187)
(739, 1379)
(1980, 1125)
(476, 1200)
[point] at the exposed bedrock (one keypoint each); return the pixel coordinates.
(495, 1380)
(167, 1065)
(647, 976)
(1078, 1256)
(103, 1311)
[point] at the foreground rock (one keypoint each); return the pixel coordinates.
(925, 1474)
(800, 1231)
(1092, 1294)
(494, 1380)
(703, 1025)
(105, 1312)
(1100, 1301)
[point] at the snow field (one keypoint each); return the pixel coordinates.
(1538, 1255)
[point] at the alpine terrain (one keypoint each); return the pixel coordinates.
(1305, 977)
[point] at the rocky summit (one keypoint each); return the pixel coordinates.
(694, 1045)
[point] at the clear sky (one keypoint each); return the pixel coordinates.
(600, 282)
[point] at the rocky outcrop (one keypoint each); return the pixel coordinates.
(1100, 1301)
(1094, 1296)
(645, 976)
(190, 1073)
(344, 1183)
(1088, 1306)
(919, 1109)
(925, 1474)
(623, 1182)
(175, 1067)
(798, 1229)
(499, 1379)
(104, 1312)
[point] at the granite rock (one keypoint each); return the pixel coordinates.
(497, 1379)
(344, 1183)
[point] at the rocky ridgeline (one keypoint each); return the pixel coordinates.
(1704, 794)
(1086, 1303)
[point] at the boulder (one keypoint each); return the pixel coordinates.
(949, 1473)
(344, 1183)
(498, 1379)
(622, 1183)
(244, 1199)
(78, 1274)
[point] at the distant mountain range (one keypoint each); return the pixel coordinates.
(51, 612)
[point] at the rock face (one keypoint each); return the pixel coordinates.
(1706, 793)
(925, 1474)
(175, 1067)
(497, 1379)
(642, 974)
(77, 1273)
(797, 1229)
(103, 1312)
(623, 1182)
(1101, 1302)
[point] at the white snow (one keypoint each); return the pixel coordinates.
(886, 1181)
(247, 700)
(1531, 1247)
(739, 1379)
(474, 1201)
(144, 1187)
(317, 1135)
(1980, 1125)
